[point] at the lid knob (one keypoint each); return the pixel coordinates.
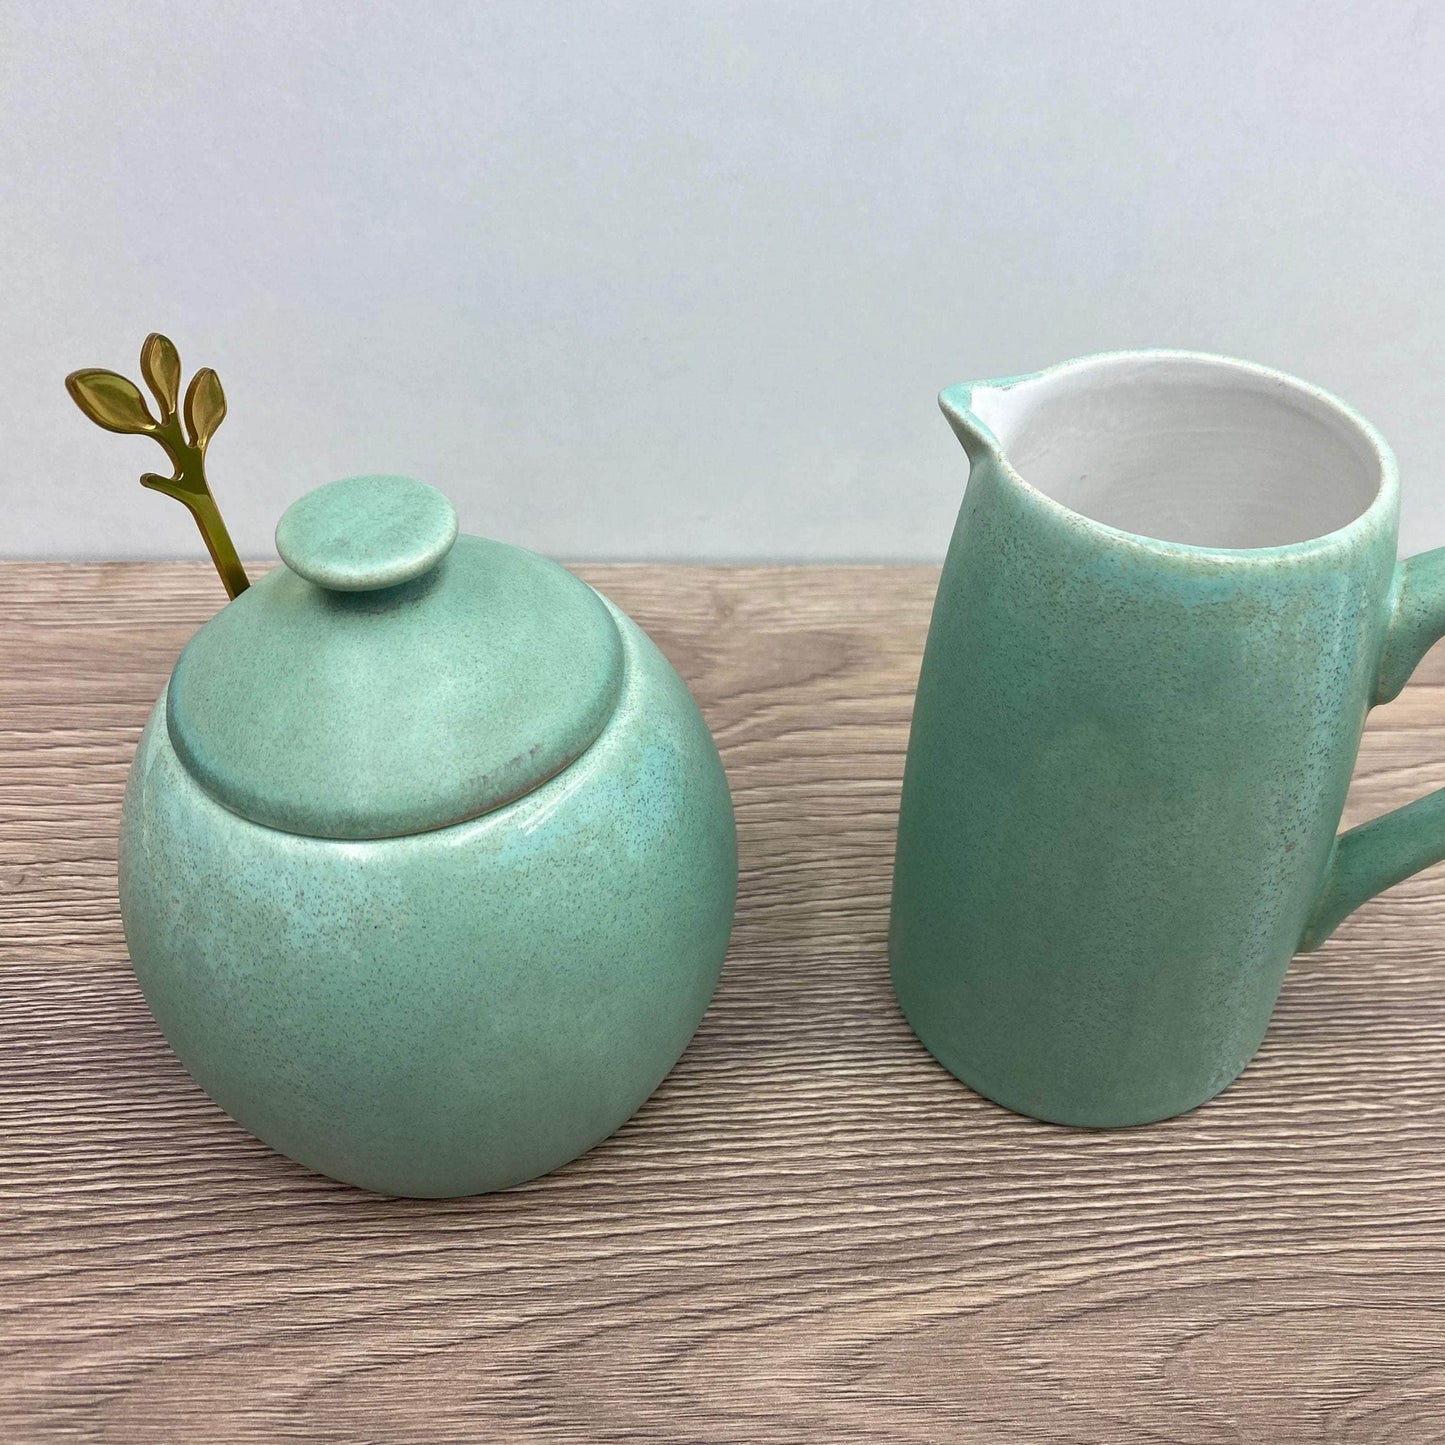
(364, 533)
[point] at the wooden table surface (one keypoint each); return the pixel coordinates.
(810, 1232)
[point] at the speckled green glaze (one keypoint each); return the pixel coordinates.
(1128, 761)
(393, 676)
(458, 1010)
(455, 1010)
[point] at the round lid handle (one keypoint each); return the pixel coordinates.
(364, 533)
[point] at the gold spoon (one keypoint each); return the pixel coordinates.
(111, 401)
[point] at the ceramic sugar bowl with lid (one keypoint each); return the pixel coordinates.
(427, 861)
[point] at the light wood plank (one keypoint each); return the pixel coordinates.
(811, 1231)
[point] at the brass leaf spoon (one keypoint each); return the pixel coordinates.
(111, 401)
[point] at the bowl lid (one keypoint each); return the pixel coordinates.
(391, 676)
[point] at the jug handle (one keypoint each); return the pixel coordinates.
(1386, 850)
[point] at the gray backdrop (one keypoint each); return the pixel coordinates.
(681, 280)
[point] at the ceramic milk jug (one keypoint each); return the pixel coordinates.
(427, 863)
(1170, 600)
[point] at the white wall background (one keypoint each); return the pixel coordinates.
(681, 279)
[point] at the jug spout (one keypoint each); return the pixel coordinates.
(978, 411)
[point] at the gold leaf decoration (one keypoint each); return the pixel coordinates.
(110, 401)
(160, 364)
(113, 402)
(205, 407)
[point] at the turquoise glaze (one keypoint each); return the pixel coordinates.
(1170, 600)
(343, 700)
(458, 1007)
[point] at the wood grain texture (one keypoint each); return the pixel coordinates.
(810, 1232)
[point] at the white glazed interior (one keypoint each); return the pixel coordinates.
(1188, 448)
